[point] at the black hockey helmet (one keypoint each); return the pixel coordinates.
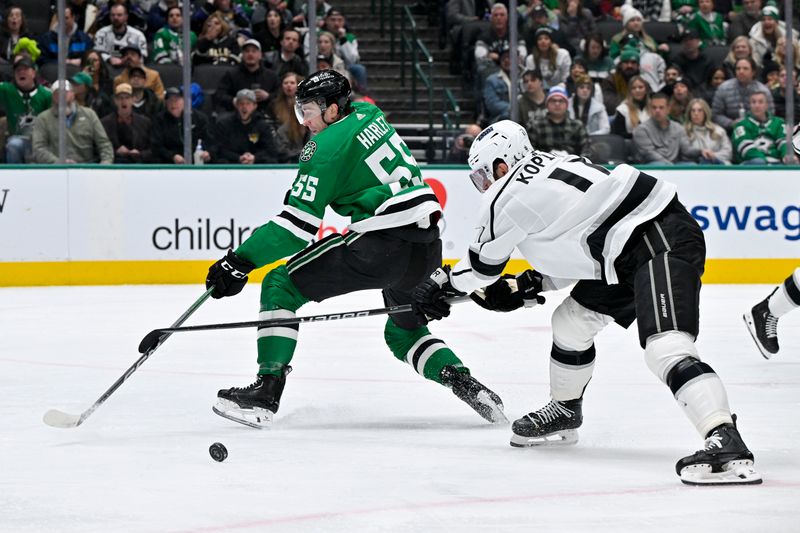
(324, 87)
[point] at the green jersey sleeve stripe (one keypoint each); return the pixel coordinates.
(295, 226)
(305, 216)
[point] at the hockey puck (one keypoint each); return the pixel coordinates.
(218, 452)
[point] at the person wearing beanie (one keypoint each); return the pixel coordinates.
(87, 96)
(615, 87)
(633, 26)
(557, 132)
(764, 35)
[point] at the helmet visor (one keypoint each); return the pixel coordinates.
(481, 179)
(307, 111)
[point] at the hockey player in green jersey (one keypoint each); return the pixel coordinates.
(760, 138)
(357, 164)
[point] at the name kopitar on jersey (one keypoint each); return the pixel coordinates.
(373, 132)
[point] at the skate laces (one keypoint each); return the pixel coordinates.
(771, 324)
(254, 385)
(549, 412)
(713, 441)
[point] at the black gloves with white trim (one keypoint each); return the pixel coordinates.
(430, 295)
(228, 276)
(511, 292)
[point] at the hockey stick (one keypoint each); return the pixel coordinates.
(153, 336)
(60, 419)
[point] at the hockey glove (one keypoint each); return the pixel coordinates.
(430, 295)
(509, 293)
(228, 276)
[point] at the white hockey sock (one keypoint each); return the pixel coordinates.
(705, 403)
(781, 302)
(567, 382)
(572, 357)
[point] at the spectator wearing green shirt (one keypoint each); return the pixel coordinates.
(759, 138)
(168, 41)
(708, 24)
(22, 99)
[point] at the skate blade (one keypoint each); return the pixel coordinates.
(496, 416)
(751, 328)
(557, 438)
(255, 418)
(733, 473)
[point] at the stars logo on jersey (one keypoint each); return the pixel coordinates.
(308, 151)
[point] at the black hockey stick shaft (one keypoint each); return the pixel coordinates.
(154, 335)
(60, 419)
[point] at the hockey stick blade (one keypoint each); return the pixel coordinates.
(60, 419)
(150, 340)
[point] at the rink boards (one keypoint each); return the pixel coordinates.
(143, 225)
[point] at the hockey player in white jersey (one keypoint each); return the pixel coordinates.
(635, 253)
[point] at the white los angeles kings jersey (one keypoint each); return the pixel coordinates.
(569, 218)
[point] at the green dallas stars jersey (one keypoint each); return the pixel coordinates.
(753, 139)
(362, 169)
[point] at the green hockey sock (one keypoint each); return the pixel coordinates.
(280, 298)
(426, 354)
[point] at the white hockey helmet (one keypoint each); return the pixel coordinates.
(505, 141)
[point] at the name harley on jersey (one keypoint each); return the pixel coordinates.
(373, 132)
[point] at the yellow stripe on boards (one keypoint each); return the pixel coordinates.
(110, 273)
(29, 274)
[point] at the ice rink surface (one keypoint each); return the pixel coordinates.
(361, 442)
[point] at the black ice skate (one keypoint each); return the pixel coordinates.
(255, 404)
(724, 460)
(763, 327)
(485, 402)
(555, 423)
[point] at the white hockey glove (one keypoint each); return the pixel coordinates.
(511, 292)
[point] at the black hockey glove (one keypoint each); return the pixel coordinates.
(228, 276)
(509, 292)
(430, 295)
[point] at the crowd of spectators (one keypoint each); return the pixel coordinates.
(247, 57)
(707, 86)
